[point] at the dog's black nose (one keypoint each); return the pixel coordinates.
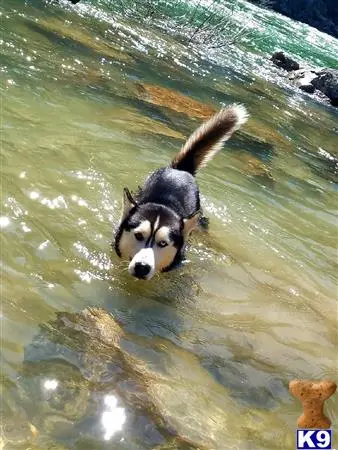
(141, 270)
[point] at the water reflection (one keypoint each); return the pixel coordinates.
(113, 418)
(50, 385)
(4, 222)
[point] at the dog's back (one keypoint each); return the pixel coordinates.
(176, 189)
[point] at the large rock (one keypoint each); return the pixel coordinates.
(327, 82)
(280, 59)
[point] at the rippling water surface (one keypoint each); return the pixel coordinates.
(92, 102)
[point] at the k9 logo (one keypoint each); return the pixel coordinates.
(314, 439)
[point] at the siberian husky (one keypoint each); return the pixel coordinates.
(157, 221)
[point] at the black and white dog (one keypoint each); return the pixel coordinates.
(157, 221)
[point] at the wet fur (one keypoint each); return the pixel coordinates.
(170, 196)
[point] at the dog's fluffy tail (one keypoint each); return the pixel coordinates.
(209, 138)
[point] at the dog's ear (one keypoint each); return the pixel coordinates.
(128, 203)
(190, 223)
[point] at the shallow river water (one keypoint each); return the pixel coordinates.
(93, 101)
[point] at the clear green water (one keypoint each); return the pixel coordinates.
(255, 306)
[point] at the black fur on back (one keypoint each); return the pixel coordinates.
(172, 188)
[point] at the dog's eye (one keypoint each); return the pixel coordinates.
(139, 236)
(162, 244)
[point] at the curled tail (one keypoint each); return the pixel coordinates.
(209, 138)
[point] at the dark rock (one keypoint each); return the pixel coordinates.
(306, 86)
(280, 59)
(327, 82)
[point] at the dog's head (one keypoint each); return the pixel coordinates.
(151, 237)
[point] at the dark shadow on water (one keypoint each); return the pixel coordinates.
(182, 79)
(249, 386)
(69, 43)
(152, 308)
(325, 167)
(260, 149)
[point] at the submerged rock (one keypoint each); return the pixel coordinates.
(280, 59)
(265, 133)
(16, 433)
(87, 388)
(257, 136)
(91, 341)
(253, 167)
(16, 430)
(57, 30)
(175, 101)
(142, 124)
(326, 81)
